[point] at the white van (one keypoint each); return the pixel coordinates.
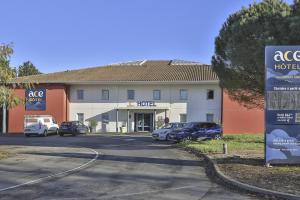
(40, 125)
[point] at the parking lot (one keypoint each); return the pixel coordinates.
(103, 167)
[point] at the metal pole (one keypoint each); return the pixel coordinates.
(117, 121)
(128, 121)
(4, 119)
(154, 120)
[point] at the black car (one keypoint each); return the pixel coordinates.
(73, 128)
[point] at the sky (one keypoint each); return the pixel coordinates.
(59, 35)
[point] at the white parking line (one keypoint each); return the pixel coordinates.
(57, 175)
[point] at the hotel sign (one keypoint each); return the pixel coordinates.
(282, 104)
(146, 103)
(35, 99)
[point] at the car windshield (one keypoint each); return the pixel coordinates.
(66, 123)
(189, 125)
(167, 126)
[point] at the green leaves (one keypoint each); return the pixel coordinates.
(7, 95)
(27, 69)
(239, 48)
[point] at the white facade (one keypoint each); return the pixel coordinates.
(118, 111)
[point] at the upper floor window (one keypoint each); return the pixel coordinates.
(210, 94)
(183, 94)
(80, 94)
(130, 94)
(105, 94)
(156, 95)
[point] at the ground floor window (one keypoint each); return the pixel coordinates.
(209, 117)
(80, 117)
(105, 118)
(183, 118)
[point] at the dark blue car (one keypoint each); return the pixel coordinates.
(73, 127)
(195, 130)
(208, 130)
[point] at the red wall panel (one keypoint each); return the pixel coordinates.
(56, 105)
(238, 119)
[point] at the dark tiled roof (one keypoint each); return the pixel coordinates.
(160, 71)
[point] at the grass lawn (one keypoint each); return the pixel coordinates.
(242, 143)
(249, 167)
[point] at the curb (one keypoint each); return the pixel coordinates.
(242, 186)
(57, 175)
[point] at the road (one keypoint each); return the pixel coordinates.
(128, 167)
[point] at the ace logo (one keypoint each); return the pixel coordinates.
(36, 94)
(287, 56)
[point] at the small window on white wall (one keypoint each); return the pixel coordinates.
(130, 94)
(105, 94)
(80, 117)
(210, 94)
(183, 118)
(156, 95)
(80, 94)
(209, 117)
(183, 94)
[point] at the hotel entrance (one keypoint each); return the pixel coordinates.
(143, 122)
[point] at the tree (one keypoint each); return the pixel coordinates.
(7, 97)
(239, 48)
(27, 69)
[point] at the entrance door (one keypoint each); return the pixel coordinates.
(143, 122)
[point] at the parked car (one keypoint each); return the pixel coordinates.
(208, 130)
(163, 132)
(193, 130)
(40, 125)
(72, 127)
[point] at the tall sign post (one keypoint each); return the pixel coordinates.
(282, 105)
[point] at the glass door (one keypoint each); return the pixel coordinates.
(143, 122)
(140, 122)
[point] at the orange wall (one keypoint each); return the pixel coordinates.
(238, 119)
(56, 105)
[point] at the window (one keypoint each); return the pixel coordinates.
(105, 118)
(80, 94)
(80, 117)
(183, 118)
(105, 94)
(130, 94)
(210, 94)
(183, 94)
(47, 120)
(209, 117)
(156, 95)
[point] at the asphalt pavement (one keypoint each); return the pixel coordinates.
(128, 167)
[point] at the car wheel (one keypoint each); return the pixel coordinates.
(217, 137)
(27, 135)
(61, 134)
(74, 134)
(45, 133)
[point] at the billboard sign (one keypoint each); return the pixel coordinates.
(35, 99)
(282, 104)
